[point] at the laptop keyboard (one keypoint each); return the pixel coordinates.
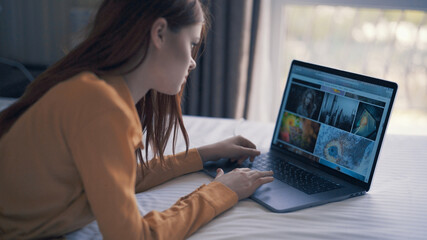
(292, 175)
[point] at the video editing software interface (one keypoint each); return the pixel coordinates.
(333, 120)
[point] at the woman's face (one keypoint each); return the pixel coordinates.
(308, 99)
(175, 60)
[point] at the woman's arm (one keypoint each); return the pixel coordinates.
(236, 148)
(173, 166)
(104, 156)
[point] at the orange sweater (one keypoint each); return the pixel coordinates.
(69, 159)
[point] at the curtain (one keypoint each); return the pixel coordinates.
(263, 95)
(218, 86)
(39, 32)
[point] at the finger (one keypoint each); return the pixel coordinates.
(260, 174)
(246, 143)
(219, 173)
(242, 169)
(249, 152)
(263, 180)
(241, 160)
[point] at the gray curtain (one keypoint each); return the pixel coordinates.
(218, 86)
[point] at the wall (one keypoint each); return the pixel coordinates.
(38, 32)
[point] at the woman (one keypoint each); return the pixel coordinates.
(70, 148)
(308, 106)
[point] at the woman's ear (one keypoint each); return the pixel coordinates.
(158, 32)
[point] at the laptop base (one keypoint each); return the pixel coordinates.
(280, 197)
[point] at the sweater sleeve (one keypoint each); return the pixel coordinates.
(173, 166)
(103, 152)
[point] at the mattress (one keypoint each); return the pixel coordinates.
(394, 208)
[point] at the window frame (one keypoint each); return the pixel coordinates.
(277, 29)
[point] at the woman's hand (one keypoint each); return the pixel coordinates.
(236, 148)
(243, 181)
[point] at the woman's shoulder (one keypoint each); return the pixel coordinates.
(85, 95)
(85, 89)
(85, 98)
(85, 84)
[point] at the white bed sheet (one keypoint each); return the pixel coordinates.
(394, 208)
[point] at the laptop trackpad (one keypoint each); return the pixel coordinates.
(280, 197)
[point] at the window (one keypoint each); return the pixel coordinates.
(383, 39)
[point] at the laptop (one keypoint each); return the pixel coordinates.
(326, 141)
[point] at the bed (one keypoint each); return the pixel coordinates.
(394, 208)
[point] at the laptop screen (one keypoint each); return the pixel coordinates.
(334, 118)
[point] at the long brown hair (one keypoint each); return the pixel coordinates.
(119, 33)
